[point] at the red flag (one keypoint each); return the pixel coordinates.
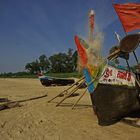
(129, 15)
(81, 51)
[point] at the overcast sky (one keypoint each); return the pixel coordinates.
(30, 28)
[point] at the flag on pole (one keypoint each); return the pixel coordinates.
(81, 51)
(129, 15)
(84, 59)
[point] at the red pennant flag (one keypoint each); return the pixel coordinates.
(129, 15)
(81, 51)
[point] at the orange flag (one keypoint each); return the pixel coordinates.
(129, 15)
(81, 51)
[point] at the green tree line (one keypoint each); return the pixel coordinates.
(57, 63)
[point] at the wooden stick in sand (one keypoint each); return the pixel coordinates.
(79, 98)
(66, 90)
(71, 92)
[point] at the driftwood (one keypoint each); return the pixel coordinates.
(11, 104)
(4, 100)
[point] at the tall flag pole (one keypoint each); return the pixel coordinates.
(81, 47)
(84, 60)
(91, 26)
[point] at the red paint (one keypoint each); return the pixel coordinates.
(108, 73)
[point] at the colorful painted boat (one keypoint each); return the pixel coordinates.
(116, 96)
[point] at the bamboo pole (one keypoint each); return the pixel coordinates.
(66, 90)
(68, 95)
(79, 98)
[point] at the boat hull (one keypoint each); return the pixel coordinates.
(111, 103)
(56, 81)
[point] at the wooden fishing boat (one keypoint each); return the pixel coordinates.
(54, 81)
(117, 94)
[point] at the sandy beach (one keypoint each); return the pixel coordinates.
(40, 120)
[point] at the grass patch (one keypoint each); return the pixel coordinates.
(65, 75)
(28, 75)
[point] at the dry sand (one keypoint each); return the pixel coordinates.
(40, 120)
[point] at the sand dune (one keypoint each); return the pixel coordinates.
(40, 120)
